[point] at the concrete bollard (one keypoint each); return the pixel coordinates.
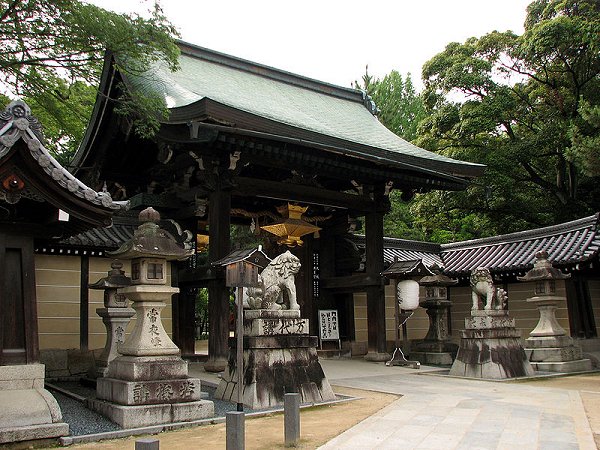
(235, 430)
(291, 412)
(147, 444)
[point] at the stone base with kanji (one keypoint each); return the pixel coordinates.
(152, 390)
(491, 348)
(279, 357)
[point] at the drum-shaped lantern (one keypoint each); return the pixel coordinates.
(407, 294)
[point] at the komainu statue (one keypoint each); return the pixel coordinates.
(277, 288)
(483, 288)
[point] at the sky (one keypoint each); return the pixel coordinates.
(334, 40)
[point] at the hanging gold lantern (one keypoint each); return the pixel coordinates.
(201, 243)
(292, 227)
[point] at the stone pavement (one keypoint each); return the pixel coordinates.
(440, 412)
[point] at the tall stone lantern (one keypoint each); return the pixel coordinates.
(148, 383)
(116, 314)
(548, 346)
(436, 348)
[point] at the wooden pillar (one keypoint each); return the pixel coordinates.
(304, 279)
(218, 293)
(18, 308)
(375, 294)
(326, 270)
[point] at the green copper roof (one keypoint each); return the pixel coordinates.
(285, 98)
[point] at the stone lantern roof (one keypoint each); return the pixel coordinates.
(116, 278)
(437, 279)
(543, 270)
(151, 241)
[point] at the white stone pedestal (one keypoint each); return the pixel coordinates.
(548, 347)
(27, 410)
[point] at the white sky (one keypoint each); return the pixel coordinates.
(333, 40)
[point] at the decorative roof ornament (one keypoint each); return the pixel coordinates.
(369, 103)
(17, 123)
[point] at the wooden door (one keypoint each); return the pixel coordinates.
(18, 309)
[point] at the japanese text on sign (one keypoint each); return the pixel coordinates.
(328, 325)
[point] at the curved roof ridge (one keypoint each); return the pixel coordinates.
(271, 72)
(17, 123)
(519, 236)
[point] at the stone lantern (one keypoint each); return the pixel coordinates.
(115, 315)
(436, 348)
(548, 346)
(148, 383)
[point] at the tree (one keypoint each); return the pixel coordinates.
(52, 52)
(400, 107)
(527, 106)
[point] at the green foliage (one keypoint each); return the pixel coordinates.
(400, 110)
(400, 222)
(527, 107)
(53, 50)
(400, 107)
(201, 312)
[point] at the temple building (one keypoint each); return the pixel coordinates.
(250, 145)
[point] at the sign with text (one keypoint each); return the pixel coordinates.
(328, 325)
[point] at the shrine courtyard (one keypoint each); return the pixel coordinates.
(404, 408)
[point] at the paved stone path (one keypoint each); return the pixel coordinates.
(440, 412)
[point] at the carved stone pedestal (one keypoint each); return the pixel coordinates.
(115, 320)
(279, 357)
(149, 384)
(548, 348)
(27, 410)
(436, 348)
(491, 348)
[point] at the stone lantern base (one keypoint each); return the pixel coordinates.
(491, 348)
(548, 347)
(437, 353)
(27, 410)
(142, 391)
(556, 354)
(279, 357)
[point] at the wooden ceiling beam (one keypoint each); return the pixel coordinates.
(302, 194)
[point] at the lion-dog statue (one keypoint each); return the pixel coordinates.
(276, 285)
(483, 288)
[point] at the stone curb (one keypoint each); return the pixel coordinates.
(155, 429)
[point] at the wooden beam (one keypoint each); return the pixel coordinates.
(196, 275)
(353, 283)
(304, 194)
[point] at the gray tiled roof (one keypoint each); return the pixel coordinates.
(568, 243)
(17, 123)
(104, 238)
(285, 98)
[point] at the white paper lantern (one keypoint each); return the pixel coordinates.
(407, 294)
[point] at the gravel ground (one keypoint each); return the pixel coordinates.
(82, 420)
